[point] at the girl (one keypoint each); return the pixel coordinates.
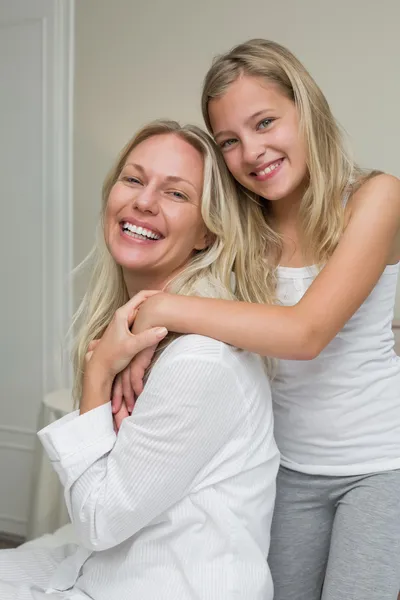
(331, 265)
(179, 507)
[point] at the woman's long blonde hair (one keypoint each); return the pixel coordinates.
(232, 253)
(332, 171)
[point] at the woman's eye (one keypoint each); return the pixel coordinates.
(131, 179)
(179, 195)
(227, 143)
(264, 123)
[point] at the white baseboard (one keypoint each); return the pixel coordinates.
(16, 458)
(13, 525)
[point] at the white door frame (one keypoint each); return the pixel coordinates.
(58, 181)
(57, 220)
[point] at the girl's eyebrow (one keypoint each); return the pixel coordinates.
(248, 120)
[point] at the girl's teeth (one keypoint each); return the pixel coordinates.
(270, 168)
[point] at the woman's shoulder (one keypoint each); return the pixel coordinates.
(198, 349)
(192, 345)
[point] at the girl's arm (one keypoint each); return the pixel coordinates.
(300, 332)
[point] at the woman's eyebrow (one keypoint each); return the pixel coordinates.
(176, 179)
(172, 178)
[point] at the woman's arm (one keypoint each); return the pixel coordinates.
(116, 486)
(301, 331)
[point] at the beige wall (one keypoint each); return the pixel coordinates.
(137, 60)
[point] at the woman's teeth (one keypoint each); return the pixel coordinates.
(139, 233)
(270, 168)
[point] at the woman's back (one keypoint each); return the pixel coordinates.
(194, 522)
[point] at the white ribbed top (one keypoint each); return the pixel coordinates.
(179, 505)
(339, 414)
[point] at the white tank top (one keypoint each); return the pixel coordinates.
(339, 414)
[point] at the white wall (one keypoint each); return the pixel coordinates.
(136, 61)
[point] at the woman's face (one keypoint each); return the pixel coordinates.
(257, 128)
(153, 221)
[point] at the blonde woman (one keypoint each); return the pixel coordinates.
(179, 506)
(331, 264)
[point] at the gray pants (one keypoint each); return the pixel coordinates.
(336, 538)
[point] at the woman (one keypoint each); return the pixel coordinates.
(180, 505)
(331, 265)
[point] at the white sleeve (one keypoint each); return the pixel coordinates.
(115, 486)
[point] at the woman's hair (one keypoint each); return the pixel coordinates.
(231, 267)
(332, 172)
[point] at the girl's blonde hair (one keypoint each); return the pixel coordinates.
(332, 171)
(231, 267)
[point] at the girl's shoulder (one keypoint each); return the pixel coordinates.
(376, 198)
(373, 187)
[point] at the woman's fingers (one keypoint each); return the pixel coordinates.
(120, 416)
(127, 389)
(138, 368)
(128, 311)
(117, 394)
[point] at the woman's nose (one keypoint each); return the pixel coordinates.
(146, 200)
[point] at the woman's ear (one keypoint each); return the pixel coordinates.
(205, 240)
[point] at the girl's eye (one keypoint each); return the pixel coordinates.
(264, 123)
(227, 144)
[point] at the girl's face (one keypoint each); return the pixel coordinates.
(257, 129)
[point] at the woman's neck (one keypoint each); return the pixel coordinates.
(135, 283)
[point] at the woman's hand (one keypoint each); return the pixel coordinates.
(129, 383)
(118, 345)
(113, 352)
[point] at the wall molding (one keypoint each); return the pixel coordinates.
(17, 438)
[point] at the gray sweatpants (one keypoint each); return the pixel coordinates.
(336, 538)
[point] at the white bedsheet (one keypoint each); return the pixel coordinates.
(32, 564)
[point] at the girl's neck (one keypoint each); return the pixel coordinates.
(285, 214)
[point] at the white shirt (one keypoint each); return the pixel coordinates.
(179, 505)
(339, 414)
